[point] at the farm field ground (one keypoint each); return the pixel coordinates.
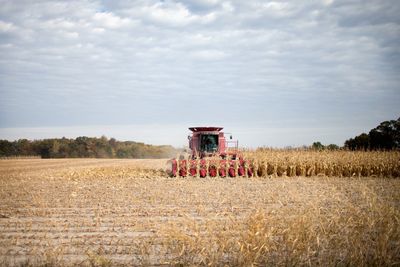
(107, 212)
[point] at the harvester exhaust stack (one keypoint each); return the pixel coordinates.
(210, 155)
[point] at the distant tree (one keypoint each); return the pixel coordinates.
(113, 146)
(63, 150)
(317, 146)
(332, 147)
(360, 142)
(385, 136)
(55, 149)
(83, 147)
(123, 153)
(7, 148)
(45, 148)
(23, 147)
(103, 148)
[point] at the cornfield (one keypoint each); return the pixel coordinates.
(300, 163)
(274, 162)
(92, 212)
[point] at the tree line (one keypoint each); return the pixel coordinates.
(386, 136)
(83, 147)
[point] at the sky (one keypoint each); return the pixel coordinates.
(273, 73)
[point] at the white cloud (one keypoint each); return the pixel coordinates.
(109, 20)
(228, 7)
(71, 35)
(98, 30)
(209, 3)
(209, 54)
(172, 14)
(59, 23)
(6, 26)
(328, 2)
(276, 6)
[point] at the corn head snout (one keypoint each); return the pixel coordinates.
(210, 167)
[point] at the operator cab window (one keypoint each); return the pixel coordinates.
(209, 143)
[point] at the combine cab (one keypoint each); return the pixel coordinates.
(210, 155)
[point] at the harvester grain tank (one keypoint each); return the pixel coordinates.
(211, 154)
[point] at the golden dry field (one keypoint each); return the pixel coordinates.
(336, 163)
(306, 208)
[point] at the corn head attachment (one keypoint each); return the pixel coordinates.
(210, 155)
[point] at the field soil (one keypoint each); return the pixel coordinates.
(106, 212)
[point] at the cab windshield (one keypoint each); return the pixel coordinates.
(209, 143)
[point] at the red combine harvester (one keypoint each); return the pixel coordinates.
(210, 155)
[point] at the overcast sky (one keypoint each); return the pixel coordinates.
(273, 73)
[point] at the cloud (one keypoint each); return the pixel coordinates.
(168, 13)
(6, 27)
(109, 20)
(209, 55)
(66, 63)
